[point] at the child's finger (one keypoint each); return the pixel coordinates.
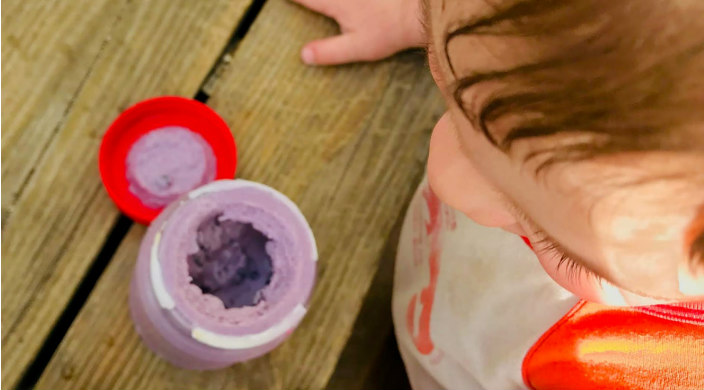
(324, 7)
(335, 50)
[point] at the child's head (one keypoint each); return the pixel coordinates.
(581, 125)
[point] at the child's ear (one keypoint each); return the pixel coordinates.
(457, 182)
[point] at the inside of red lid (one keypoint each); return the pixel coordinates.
(156, 115)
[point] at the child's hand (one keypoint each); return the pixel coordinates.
(371, 30)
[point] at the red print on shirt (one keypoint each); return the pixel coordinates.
(421, 338)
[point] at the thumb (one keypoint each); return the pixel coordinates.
(337, 50)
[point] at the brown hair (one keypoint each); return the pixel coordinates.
(627, 74)
(608, 76)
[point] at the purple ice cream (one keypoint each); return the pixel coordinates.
(231, 262)
(224, 275)
(168, 162)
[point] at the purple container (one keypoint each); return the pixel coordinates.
(224, 275)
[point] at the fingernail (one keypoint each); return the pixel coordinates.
(307, 56)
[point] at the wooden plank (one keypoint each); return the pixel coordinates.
(348, 144)
(43, 67)
(61, 218)
(370, 359)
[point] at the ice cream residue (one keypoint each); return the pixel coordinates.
(231, 262)
(168, 162)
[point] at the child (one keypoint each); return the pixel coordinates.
(578, 125)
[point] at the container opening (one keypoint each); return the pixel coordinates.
(232, 262)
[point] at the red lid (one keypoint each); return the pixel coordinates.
(154, 114)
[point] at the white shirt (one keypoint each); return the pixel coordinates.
(487, 299)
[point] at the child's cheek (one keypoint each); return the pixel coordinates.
(457, 181)
(691, 282)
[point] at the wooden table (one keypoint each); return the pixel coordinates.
(347, 144)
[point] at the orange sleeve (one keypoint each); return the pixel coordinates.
(600, 347)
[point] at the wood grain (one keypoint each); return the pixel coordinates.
(59, 221)
(371, 359)
(44, 67)
(347, 144)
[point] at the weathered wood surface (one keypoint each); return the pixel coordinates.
(347, 144)
(371, 359)
(69, 67)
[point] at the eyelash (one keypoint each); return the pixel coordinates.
(573, 267)
(546, 244)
